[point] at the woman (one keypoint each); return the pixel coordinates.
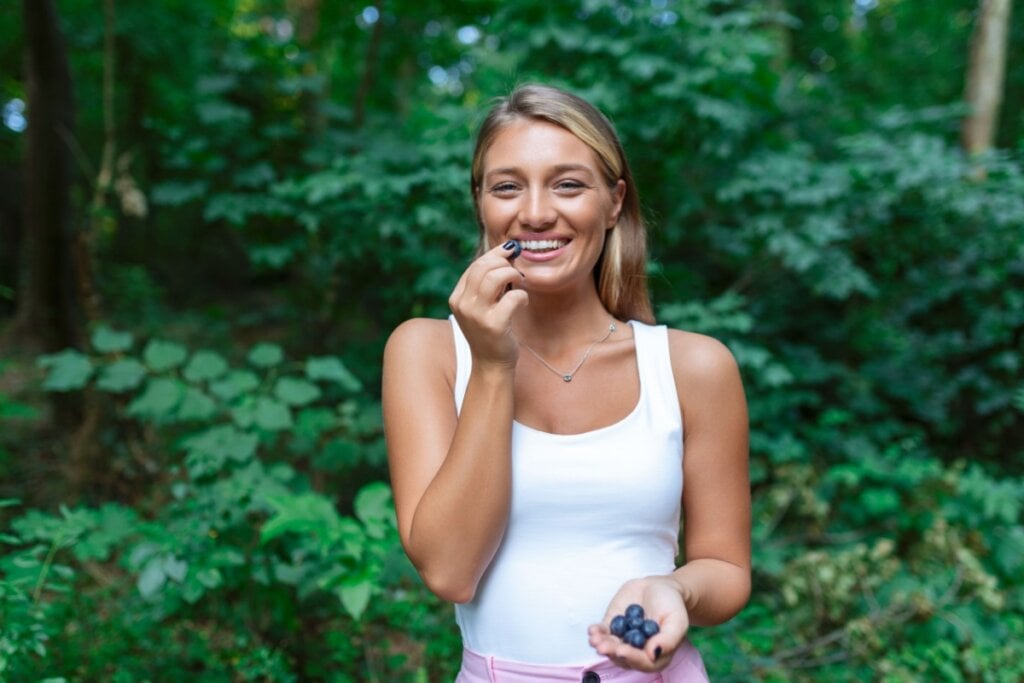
(536, 438)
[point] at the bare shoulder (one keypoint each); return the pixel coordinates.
(698, 359)
(419, 332)
(711, 395)
(421, 346)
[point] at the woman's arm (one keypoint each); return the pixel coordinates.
(714, 582)
(715, 579)
(451, 474)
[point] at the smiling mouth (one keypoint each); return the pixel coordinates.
(541, 246)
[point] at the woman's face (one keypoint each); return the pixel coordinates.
(543, 186)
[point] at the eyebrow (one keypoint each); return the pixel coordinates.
(559, 168)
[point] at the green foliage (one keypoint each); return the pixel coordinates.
(808, 205)
(68, 370)
(238, 518)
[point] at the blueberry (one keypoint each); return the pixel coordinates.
(635, 637)
(632, 628)
(635, 610)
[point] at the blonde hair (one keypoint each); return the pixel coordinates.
(620, 272)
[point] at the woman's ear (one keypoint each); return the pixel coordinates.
(618, 196)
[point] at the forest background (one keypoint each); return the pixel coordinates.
(214, 211)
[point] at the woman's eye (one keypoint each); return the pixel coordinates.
(570, 185)
(503, 188)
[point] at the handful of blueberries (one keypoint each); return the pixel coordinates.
(632, 627)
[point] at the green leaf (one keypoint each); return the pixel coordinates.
(271, 415)
(338, 455)
(272, 256)
(175, 569)
(210, 577)
(880, 501)
(331, 369)
(177, 193)
(114, 524)
(355, 597)
(192, 590)
(235, 384)
(67, 371)
(255, 176)
(266, 355)
(373, 508)
(107, 340)
(373, 503)
(196, 405)
(159, 399)
(121, 375)
(63, 530)
(15, 409)
(223, 440)
(219, 112)
(311, 422)
(296, 392)
(244, 412)
(162, 355)
(1008, 552)
(152, 578)
(205, 366)
(301, 513)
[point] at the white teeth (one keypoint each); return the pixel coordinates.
(543, 245)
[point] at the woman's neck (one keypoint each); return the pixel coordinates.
(553, 324)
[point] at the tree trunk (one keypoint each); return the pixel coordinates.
(47, 316)
(85, 457)
(984, 85)
(369, 72)
(85, 244)
(306, 15)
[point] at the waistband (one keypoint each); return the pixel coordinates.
(686, 667)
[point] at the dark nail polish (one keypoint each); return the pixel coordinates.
(657, 652)
(514, 246)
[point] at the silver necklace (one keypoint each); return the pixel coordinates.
(567, 376)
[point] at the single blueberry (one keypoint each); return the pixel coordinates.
(634, 610)
(634, 623)
(635, 637)
(649, 627)
(618, 626)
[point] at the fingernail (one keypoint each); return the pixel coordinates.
(657, 652)
(514, 246)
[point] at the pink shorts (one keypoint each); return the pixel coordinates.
(686, 667)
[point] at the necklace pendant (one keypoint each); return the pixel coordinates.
(567, 378)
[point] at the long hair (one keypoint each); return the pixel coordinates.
(620, 272)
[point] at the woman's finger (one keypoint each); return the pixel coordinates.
(486, 279)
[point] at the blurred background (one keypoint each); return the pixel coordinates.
(213, 212)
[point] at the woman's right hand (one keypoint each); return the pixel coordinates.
(484, 301)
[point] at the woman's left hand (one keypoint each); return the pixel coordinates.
(662, 601)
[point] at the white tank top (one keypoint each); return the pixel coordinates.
(589, 512)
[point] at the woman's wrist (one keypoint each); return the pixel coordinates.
(685, 588)
(493, 371)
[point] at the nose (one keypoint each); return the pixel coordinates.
(536, 210)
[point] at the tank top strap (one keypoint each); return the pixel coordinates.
(655, 368)
(463, 364)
